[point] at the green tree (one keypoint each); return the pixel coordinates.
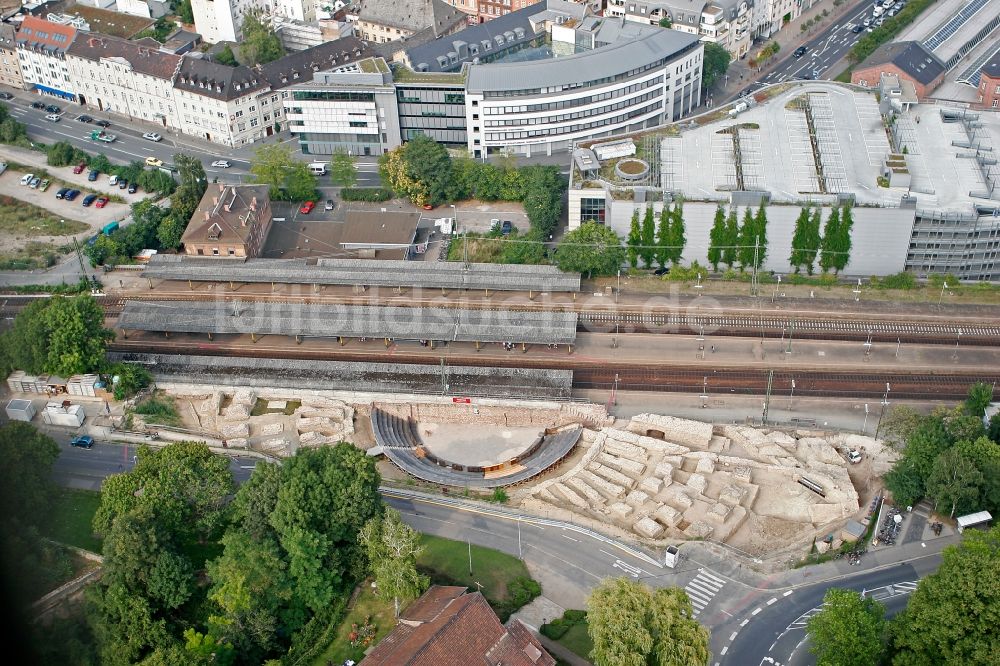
(193, 183)
(100, 162)
(25, 476)
(326, 496)
(170, 231)
(979, 398)
(342, 170)
(905, 482)
(731, 239)
(662, 251)
(185, 12)
(634, 241)
(830, 245)
(128, 379)
(544, 190)
(952, 616)
(849, 631)
(717, 238)
(185, 482)
(260, 44)
(954, 482)
(647, 250)
(426, 171)
(631, 625)
(813, 240)
(993, 430)
(274, 165)
(748, 241)
(591, 248)
(63, 335)
(760, 233)
(844, 243)
(677, 236)
(800, 241)
(225, 56)
(715, 62)
(665, 22)
(392, 548)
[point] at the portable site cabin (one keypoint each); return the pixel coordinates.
(978, 519)
(63, 414)
(20, 410)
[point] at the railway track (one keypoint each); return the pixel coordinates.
(974, 332)
(643, 377)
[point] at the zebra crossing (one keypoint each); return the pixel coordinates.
(702, 589)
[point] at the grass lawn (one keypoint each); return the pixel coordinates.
(578, 640)
(366, 606)
(22, 218)
(447, 562)
(159, 410)
(72, 514)
(31, 255)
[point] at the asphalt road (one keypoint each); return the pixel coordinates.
(771, 630)
(823, 50)
(86, 469)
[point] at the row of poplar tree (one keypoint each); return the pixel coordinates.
(656, 243)
(833, 246)
(733, 244)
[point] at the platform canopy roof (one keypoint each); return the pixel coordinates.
(351, 321)
(365, 272)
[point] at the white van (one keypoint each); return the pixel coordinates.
(318, 168)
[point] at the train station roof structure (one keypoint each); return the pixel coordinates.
(364, 272)
(349, 321)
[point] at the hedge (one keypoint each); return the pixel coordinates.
(366, 194)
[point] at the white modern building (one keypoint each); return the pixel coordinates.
(222, 20)
(120, 76)
(723, 22)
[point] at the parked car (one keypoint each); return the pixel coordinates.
(221, 164)
(854, 456)
(132, 187)
(103, 123)
(80, 167)
(82, 442)
(44, 185)
(152, 136)
(112, 180)
(38, 105)
(154, 162)
(85, 119)
(52, 108)
(26, 178)
(799, 52)
(506, 227)
(92, 176)
(101, 202)
(35, 182)
(307, 207)
(328, 205)
(122, 183)
(62, 192)
(6, 95)
(53, 117)
(71, 195)
(857, 28)
(89, 199)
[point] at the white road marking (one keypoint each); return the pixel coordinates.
(724, 650)
(566, 536)
(772, 601)
(756, 610)
(734, 635)
(787, 593)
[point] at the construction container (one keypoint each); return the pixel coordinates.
(20, 410)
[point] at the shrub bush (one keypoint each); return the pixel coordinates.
(373, 194)
(902, 280)
(555, 629)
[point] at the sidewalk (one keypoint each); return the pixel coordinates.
(790, 36)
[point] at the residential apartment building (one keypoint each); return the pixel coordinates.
(770, 16)
(10, 64)
(120, 76)
(490, 9)
(723, 22)
(381, 22)
(219, 103)
(468, 7)
(41, 49)
(222, 20)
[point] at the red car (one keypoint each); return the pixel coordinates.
(307, 207)
(428, 207)
(101, 202)
(80, 167)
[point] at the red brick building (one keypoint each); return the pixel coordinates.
(908, 60)
(989, 83)
(449, 626)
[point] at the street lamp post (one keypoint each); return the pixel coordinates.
(941, 297)
(791, 395)
(885, 403)
(864, 428)
(955, 355)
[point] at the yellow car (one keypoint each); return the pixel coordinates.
(153, 162)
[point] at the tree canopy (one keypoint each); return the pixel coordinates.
(953, 615)
(343, 173)
(260, 44)
(62, 335)
(631, 625)
(715, 63)
(850, 630)
(392, 548)
(591, 248)
(274, 165)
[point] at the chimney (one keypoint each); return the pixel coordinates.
(208, 216)
(253, 204)
(215, 201)
(227, 208)
(222, 188)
